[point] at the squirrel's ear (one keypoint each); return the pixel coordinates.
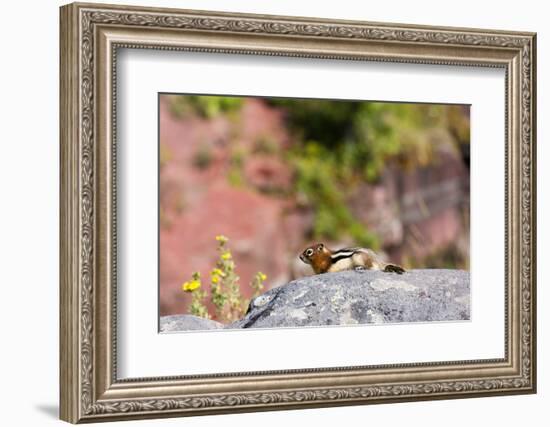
(320, 246)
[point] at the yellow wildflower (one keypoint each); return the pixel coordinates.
(191, 285)
(222, 238)
(216, 272)
(226, 256)
(215, 279)
(262, 276)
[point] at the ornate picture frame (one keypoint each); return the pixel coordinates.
(90, 37)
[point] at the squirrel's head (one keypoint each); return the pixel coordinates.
(315, 253)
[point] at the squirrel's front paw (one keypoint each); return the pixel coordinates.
(359, 268)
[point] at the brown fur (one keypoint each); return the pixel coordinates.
(318, 256)
(368, 261)
(319, 259)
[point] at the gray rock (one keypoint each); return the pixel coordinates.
(358, 297)
(187, 322)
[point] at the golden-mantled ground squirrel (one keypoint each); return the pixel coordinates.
(323, 260)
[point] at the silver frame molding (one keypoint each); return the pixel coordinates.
(90, 37)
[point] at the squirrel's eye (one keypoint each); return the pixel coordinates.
(309, 252)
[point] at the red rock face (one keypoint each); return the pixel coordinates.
(268, 174)
(253, 222)
(414, 213)
(199, 203)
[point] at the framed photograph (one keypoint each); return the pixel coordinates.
(266, 212)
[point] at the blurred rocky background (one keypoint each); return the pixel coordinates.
(275, 175)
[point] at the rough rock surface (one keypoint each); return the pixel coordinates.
(187, 322)
(356, 297)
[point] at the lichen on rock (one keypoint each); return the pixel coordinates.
(365, 297)
(187, 322)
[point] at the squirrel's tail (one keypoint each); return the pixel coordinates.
(393, 268)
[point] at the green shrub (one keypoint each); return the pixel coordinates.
(206, 107)
(340, 145)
